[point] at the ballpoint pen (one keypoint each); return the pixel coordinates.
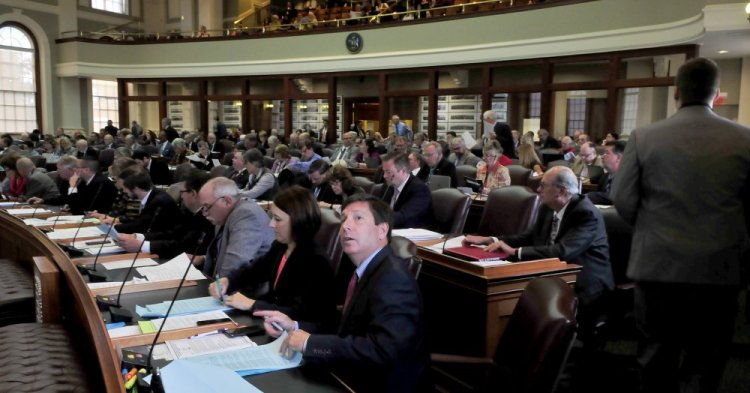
(218, 288)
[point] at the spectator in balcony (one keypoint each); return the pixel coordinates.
(308, 20)
(274, 24)
(203, 32)
(289, 15)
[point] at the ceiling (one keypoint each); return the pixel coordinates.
(727, 29)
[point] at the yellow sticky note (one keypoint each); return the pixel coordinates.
(147, 327)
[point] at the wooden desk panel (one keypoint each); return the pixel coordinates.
(467, 306)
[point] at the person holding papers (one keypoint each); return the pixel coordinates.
(571, 228)
(379, 345)
(202, 159)
(297, 269)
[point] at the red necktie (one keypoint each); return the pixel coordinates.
(350, 289)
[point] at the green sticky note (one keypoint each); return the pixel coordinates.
(147, 327)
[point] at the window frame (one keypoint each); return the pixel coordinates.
(37, 73)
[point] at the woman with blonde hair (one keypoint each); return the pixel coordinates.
(528, 158)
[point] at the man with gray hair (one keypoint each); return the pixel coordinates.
(500, 130)
(568, 227)
(347, 151)
(242, 233)
(39, 186)
(460, 155)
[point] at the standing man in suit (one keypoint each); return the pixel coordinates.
(501, 131)
(154, 203)
(221, 129)
(170, 132)
(88, 189)
(408, 196)
(433, 154)
(83, 150)
(111, 129)
(242, 233)
(568, 227)
(158, 170)
(683, 185)
(379, 345)
(588, 164)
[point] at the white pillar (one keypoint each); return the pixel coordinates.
(743, 116)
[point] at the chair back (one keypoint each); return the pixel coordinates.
(559, 163)
(537, 339)
(509, 210)
(450, 208)
(328, 237)
(219, 171)
(378, 190)
(439, 181)
(364, 183)
(519, 175)
(182, 171)
(407, 250)
(463, 171)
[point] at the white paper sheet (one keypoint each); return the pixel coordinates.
(417, 234)
(125, 263)
(172, 270)
(69, 233)
(188, 321)
(19, 212)
(131, 330)
(189, 347)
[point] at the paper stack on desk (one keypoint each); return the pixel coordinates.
(69, 233)
(35, 211)
(417, 235)
(252, 360)
(181, 307)
(172, 270)
(187, 377)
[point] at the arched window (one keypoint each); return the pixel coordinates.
(18, 80)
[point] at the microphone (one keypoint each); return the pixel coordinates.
(70, 249)
(116, 312)
(90, 270)
(137, 361)
(445, 241)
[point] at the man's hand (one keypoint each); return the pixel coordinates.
(295, 342)
(35, 201)
(238, 300)
(224, 285)
(501, 246)
(73, 181)
(473, 239)
(280, 318)
(129, 242)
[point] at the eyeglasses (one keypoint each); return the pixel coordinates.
(184, 191)
(206, 208)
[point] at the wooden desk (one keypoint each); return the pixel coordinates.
(468, 306)
(364, 172)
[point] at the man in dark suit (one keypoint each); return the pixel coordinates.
(319, 186)
(611, 160)
(546, 141)
(170, 132)
(88, 189)
(182, 237)
(418, 166)
(433, 154)
(683, 184)
(214, 146)
(239, 172)
(379, 345)
(408, 196)
(158, 211)
(83, 150)
(157, 169)
(571, 228)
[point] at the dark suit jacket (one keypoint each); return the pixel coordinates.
(169, 215)
(83, 200)
(159, 171)
(505, 138)
(601, 195)
(581, 239)
(240, 178)
(446, 168)
(305, 289)
(326, 193)
(217, 147)
(424, 172)
(90, 152)
(380, 342)
(182, 237)
(413, 208)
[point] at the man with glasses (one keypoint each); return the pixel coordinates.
(568, 227)
(347, 151)
(88, 189)
(433, 154)
(241, 234)
(588, 165)
(460, 155)
(183, 237)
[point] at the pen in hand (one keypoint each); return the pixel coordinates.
(277, 326)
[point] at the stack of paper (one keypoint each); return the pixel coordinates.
(69, 233)
(178, 322)
(186, 377)
(417, 235)
(252, 360)
(213, 343)
(27, 211)
(125, 263)
(181, 307)
(172, 270)
(106, 250)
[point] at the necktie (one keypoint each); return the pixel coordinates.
(553, 231)
(317, 192)
(394, 198)
(350, 289)
(608, 185)
(212, 254)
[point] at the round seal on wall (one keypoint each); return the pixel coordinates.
(354, 43)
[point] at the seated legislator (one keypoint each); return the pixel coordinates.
(433, 154)
(183, 237)
(124, 207)
(588, 164)
(408, 196)
(88, 189)
(158, 169)
(282, 159)
(369, 154)
(379, 345)
(158, 211)
(296, 268)
(65, 169)
(203, 158)
(307, 157)
(179, 152)
(261, 184)
(490, 170)
(239, 172)
(611, 160)
(14, 185)
(241, 234)
(418, 166)
(342, 186)
(568, 227)
(528, 158)
(319, 185)
(36, 184)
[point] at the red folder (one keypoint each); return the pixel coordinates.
(476, 254)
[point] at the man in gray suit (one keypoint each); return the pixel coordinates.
(347, 151)
(242, 232)
(39, 186)
(682, 185)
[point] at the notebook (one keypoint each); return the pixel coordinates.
(473, 253)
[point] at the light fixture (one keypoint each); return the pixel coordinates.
(722, 52)
(747, 11)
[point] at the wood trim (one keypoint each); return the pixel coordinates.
(142, 287)
(176, 334)
(47, 290)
